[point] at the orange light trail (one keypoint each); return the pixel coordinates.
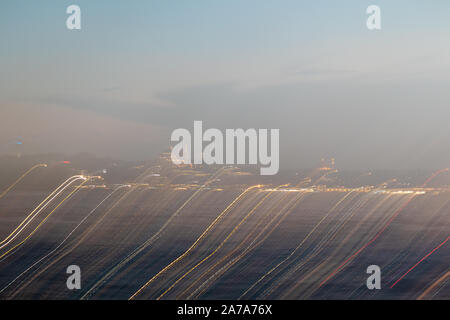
(21, 177)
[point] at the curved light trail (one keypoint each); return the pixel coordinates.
(41, 207)
(65, 239)
(21, 178)
(45, 219)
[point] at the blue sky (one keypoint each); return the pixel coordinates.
(146, 67)
(159, 36)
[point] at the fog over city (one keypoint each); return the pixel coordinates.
(135, 72)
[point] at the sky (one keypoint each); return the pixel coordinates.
(139, 69)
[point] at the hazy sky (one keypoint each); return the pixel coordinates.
(139, 69)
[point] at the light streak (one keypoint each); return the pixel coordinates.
(367, 244)
(21, 177)
(66, 238)
(419, 262)
(41, 207)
